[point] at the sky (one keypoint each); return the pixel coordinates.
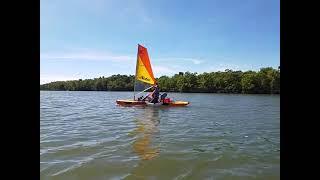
(84, 39)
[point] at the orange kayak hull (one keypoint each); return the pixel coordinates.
(178, 103)
(130, 103)
(143, 103)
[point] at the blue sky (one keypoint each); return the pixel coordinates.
(92, 38)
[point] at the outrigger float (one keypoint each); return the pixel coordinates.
(144, 74)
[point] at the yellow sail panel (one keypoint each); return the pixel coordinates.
(143, 70)
(142, 73)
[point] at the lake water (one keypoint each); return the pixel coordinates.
(85, 135)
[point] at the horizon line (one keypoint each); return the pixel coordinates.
(198, 73)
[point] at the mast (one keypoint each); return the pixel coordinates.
(135, 79)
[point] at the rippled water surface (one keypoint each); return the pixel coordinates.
(85, 135)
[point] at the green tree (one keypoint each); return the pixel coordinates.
(249, 82)
(267, 80)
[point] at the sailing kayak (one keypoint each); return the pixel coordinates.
(145, 103)
(144, 74)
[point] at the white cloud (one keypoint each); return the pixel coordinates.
(175, 59)
(195, 61)
(86, 55)
(224, 66)
(125, 62)
(50, 78)
(162, 70)
(47, 78)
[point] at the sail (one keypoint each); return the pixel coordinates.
(143, 69)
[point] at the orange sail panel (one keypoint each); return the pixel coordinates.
(143, 70)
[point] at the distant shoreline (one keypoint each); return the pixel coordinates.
(169, 92)
(265, 81)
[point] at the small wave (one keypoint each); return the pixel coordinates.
(79, 163)
(183, 175)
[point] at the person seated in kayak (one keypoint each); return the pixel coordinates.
(147, 98)
(155, 94)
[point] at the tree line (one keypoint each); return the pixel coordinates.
(265, 81)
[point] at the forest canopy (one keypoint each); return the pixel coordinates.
(265, 81)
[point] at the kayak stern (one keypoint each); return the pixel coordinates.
(179, 103)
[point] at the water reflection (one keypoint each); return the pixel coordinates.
(146, 130)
